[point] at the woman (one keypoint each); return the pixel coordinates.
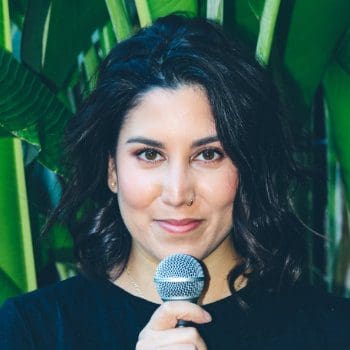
(180, 149)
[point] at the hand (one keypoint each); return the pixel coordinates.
(161, 332)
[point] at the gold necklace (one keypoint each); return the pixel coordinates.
(134, 284)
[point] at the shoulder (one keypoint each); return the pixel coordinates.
(36, 310)
(318, 302)
(46, 305)
(69, 299)
(43, 300)
(53, 315)
(303, 317)
(327, 315)
(72, 314)
(46, 296)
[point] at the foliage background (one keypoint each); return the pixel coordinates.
(50, 51)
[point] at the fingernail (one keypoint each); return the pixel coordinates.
(207, 316)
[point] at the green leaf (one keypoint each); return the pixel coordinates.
(149, 10)
(91, 64)
(144, 12)
(257, 7)
(17, 12)
(61, 240)
(343, 53)
(215, 10)
(16, 257)
(267, 29)
(120, 18)
(241, 17)
(337, 92)
(314, 29)
(18, 6)
(8, 287)
(67, 30)
(306, 36)
(66, 270)
(5, 35)
(30, 110)
(337, 244)
(108, 39)
(34, 33)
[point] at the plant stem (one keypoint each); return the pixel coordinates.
(267, 29)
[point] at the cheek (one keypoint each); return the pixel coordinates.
(222, 189)
(135, 188)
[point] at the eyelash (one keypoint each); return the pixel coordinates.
(143, 150)
(219, 154)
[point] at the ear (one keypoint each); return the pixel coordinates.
(112, 175)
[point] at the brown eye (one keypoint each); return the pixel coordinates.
(208, 154)
(150, 154)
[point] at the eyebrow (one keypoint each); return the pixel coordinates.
(154, 143)
(205, 141)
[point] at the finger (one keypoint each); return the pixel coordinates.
(167, 315)
(150, 339)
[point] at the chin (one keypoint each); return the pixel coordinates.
(189, 251)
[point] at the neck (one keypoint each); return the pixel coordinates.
(138, 276)
(219, 264)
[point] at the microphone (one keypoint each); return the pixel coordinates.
(179, 277)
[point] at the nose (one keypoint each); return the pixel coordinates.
(178, 185)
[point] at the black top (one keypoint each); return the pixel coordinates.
(83, 314)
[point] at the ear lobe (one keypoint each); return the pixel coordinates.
(112, 175)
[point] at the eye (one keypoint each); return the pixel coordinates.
(149, 155)
(210, 155)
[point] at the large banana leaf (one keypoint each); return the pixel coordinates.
(315, 27)
(17, 273)
(343, 52)
(30, 110)
(306, 35)
(56, 34)
(16, 254)
(337, 90)
(34, 33)
(243, 17)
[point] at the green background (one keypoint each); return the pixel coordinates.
(50, 51)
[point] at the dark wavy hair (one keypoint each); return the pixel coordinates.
(172, 52)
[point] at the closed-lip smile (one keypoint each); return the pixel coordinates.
(179, 225)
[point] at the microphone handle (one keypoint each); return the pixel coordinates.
(183, 323)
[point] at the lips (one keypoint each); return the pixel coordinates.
(179, 226)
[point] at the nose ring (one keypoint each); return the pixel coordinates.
(189, 203)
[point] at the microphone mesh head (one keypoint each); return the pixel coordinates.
(179, 277)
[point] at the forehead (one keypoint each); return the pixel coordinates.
(184, 110)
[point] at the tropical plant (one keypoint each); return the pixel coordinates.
(49, 54)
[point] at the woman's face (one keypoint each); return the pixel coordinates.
(168, 154)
